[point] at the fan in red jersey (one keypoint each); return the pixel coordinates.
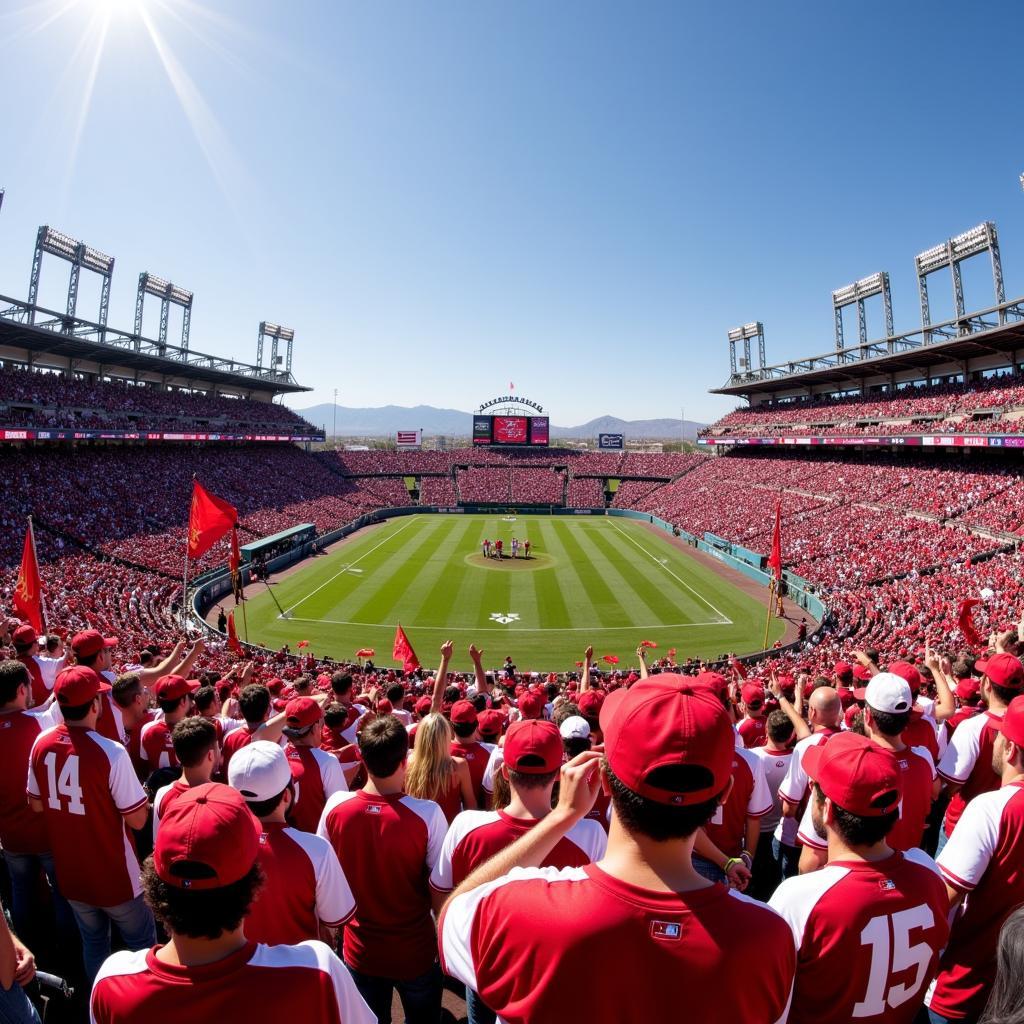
(981, 864)
(196, 750)
(526, 940)
(870, 925)
(86, 789)
(174, 698)
(201, 882)
(752, 726)
(318, 774)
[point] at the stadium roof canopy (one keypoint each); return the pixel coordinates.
(32, 331)
(989, 339)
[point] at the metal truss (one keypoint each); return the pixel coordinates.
(150, 284)
(865, 288)
(79, 255)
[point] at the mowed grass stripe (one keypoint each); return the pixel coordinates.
(593, 576)
(573, 593)
(440, 600)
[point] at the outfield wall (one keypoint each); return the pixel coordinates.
(213, 585)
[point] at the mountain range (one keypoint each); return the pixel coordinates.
(385, 420)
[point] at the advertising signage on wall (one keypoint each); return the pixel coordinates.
(126, 435)
(917, 440)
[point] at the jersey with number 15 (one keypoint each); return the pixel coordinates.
(87, 785)
(868, 938)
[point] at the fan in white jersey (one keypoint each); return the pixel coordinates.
(201, 882)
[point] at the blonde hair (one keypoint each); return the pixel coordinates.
(432, 767)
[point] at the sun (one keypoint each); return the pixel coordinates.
(118, 8)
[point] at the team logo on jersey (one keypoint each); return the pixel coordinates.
(373, 808)
(886, 884)
(666, 931)
(780, 764)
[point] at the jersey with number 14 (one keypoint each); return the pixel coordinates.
(868, 937)
(87, 784)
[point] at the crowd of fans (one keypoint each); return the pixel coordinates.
(36, 398)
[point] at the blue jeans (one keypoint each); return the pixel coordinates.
(788, 858)
(421, 997)
(24, 869)
(476, 1011)
(937, 1018)
(15, 1007)
(133, 919)
(704, 868)
(943, 839)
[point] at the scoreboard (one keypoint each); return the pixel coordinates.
(511, 431)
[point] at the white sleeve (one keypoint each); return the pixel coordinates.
(49, 667)
(46, 717)
(437, 829)
(494, 762)
(760, 801)
(808, 834)
(352, 1008)
(926, 755)
(125, 788)
(966, 857)
(794, 786)
(962, 754)
(588, 835)
(335, 903)
(32, 785)
(442, 875)
(158, 799)
(331, 774)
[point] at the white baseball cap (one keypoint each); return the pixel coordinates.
(887, 692)
(575, 727)
(259, 771)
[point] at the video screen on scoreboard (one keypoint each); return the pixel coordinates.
(517, 431)
(539, 430)
(481, 430)
(511, 429)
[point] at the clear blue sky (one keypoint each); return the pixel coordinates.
(444, 197)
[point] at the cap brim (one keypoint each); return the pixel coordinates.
(110, 641)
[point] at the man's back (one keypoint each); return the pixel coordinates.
(700, 954)
(868, 938)
(386, 846)
(968, 763)
(476, 755)
(918, 770)
(21, 829)
(257, 983)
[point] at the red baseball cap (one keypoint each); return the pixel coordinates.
(1003, 670)
(1012, 725)
(752, 693)
(423, 706)
(77, 685)
(668, 720)
(855, 774)
(463, 713)
(589, 702)
(208, 839)
(968, 689)
(862, 674)
(713, 681)
(533, 747)
(490, 723)
(843, 671)
(302, 712)
(531, 705)
(172, 688)
(907, 673)
(25, 635)
(90, 642)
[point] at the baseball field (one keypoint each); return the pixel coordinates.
(603, 581)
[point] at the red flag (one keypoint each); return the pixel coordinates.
(648, 643)
(965, 620)
(232, 635)
(671, 652)
(403, 651)
(365, 652)
(234, 553)
(610, 659)
(28, 591)
(775, 559)
(210, 518)
(302, 643)
(739, 667)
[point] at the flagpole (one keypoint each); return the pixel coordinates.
(768, 617)
(184, 579)
(35, 555)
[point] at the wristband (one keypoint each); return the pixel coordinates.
(727, 866)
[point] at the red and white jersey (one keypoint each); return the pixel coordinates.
(258, 983)
(238, 738)
(304, 886)
(968, 763)
(223, 726)
(164, 798)
(753, 731)
(111, 720)
(22, 830)
(749, 798)
(527, 943)
(477, 755)
(918, 776)
(387, 847)
(796, 783)
(494, 763)
(43, 672)
(318, 776)
(868, 938)
(775, 764)
(983, 859)
(476, 836)
(156, 746)
(87, 784)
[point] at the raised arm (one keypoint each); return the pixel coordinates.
(476, 656)
(148, 676)
(641, 653)
(941, 670)
(800, 728)
(441, 678)
(588, 657)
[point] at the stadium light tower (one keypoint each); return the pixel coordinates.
(865, 288)
(150, 284)
(951, 254)
(744, 334)
(79, 255)
(276, 333)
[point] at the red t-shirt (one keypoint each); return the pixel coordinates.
(753, 731)
(387, 847)
(303, 886)
(968, 761)
(258, 983)
(576, 944)
(318, 776)
(983, 858)
(476, 755)
(134, 745)
(235, 740)
(868, 938)
(920, 732)
(157, 746)
(87, 785)
(22, 830)
(750, 797)
(476, 836)
(918, 779)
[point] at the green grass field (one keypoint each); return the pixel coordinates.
(609, 582)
